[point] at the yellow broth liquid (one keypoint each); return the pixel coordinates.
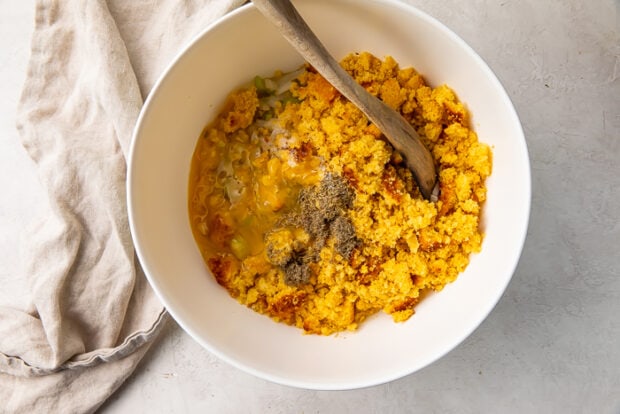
(241, 182)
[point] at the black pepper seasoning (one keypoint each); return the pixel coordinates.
(322, 213)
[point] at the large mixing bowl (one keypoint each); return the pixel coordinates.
(189, 94)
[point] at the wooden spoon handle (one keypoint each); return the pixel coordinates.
(398, 131)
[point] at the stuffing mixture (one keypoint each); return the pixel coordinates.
(303, 211)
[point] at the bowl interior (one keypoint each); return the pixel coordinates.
(189, 95)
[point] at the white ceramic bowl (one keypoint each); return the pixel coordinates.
(228, 54)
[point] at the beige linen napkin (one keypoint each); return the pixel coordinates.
(87, 315)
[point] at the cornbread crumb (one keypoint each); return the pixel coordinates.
(240, 112)
(371, 245)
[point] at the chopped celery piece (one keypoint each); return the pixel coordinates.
(261, 87)
(239, 247)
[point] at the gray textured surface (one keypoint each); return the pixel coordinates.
(552, 343)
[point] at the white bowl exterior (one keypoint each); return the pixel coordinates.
(189, 95)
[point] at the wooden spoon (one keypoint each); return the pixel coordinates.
(397, 130)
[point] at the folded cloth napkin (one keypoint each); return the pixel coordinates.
(87, 315)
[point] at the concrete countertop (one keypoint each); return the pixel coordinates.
(552, 344)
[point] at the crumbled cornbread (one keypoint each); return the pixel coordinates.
(251, 165)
